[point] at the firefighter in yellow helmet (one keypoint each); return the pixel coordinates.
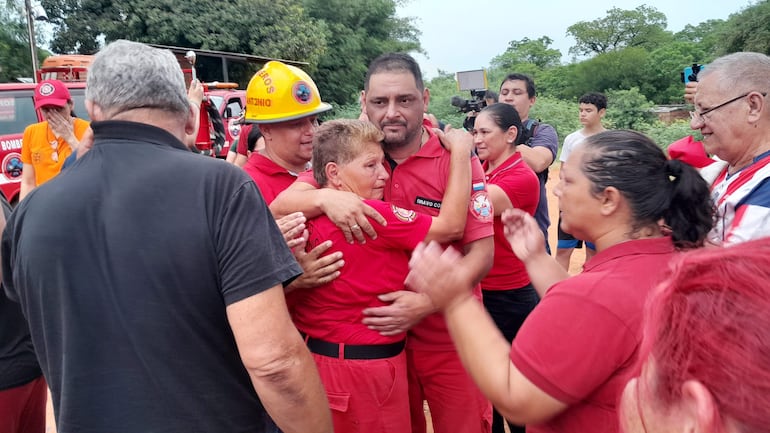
(284, 101)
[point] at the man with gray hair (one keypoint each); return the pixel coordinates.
(162, 308)
(733, 114)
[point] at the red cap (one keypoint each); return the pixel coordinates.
(51, 92)
(689, 151)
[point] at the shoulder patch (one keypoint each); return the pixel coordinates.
(405, 215)
(481, 207)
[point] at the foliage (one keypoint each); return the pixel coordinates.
(747, 30)
(526, 51)
(620, 69)
(705, 35)
(359, 31)
(644, 27)
(561, 114)
(442, 88)
(347, 111)
(557, 82)
(662, 71)
(627, 109)
(14, 45)
(281, 29)
(664, 134)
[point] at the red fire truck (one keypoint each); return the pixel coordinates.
(222, 107)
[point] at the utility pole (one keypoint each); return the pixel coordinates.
(31, 31)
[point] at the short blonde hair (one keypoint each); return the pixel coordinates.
(341, 141)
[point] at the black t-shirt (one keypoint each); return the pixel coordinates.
(125, 264)
(18, 364)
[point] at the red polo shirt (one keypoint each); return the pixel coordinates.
(332, 312)
(580, 344)
(270, 177)
(520, 184)
(419, 183)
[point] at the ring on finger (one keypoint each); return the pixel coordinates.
(355, 227)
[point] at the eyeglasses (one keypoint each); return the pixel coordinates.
(700, 116)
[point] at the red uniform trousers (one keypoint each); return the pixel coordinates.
(366, 395)
(456, 404)
(22, 409)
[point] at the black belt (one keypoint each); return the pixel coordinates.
(353, 351)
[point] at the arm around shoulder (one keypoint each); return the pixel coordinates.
(449, 225)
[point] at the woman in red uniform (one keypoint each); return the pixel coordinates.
(575, 352)
(509, 296)
(364, 372)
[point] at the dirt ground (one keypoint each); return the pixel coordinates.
(553, 207)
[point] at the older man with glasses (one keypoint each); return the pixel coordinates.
(732, 113)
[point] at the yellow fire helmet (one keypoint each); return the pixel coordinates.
(279, 92)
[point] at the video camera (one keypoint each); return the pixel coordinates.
(690, 73)
(476, 82)
(468, 105)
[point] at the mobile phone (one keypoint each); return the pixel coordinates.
(690, 73)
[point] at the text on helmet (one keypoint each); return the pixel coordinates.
(267, 81)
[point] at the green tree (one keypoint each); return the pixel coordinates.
(663, 134)
(359, 31)
(644, 26)
(628, 109)
(747, 30)
(662, 79)
(535, 52)
(621, 69)
(442, 88)
(15, 61)
(705, 35)
(557, 82)
(277, 28)
(562, 115)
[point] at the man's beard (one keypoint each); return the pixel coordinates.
(398, 140)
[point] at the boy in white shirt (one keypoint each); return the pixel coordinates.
(593, 107)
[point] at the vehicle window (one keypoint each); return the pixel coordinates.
(235, 107)
(217, 100)
(16, 113)
(79, 100)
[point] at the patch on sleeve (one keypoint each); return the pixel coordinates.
(478, 186)
(404, 215)
(481, 207)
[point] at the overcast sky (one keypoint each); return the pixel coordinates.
(462, 35)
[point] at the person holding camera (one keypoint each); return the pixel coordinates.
(539, 143)
(489, 97)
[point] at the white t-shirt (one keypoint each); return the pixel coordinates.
(571, 142)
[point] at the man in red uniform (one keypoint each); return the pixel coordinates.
(395, 100)
(284, 101)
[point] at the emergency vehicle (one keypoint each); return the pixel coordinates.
(221, 110)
